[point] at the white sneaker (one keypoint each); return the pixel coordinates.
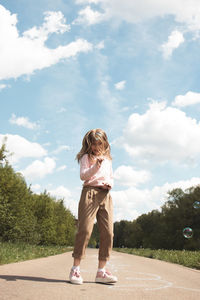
(105, 277)
(75, 276)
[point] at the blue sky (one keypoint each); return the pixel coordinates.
(129, 67)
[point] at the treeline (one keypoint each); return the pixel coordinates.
(162, 229)
(29, 217)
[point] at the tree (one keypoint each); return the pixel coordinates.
(164, 229)
(17, 220)
(28, 217)
(179, 213)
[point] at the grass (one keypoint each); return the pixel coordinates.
(15, 252)
(189, 259)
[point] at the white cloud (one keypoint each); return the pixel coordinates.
(3, 86)
(120, 85)
(100, 45)
(35, 187)
(185, 12)
(62, 192)
(162, 134)
(54, 22)
(89, 16)
(134, 11)
(61, 168)
(39, 169)
(190, 98)
(61, 148)
(127, 176)
(23, 121)
(174, 41)
(21, 147)
(24, 54)
(131, 203)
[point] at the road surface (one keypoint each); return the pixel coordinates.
(139, 278)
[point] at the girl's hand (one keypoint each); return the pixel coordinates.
(99, 162)
(106, 186)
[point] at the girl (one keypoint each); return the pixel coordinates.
(96, 172)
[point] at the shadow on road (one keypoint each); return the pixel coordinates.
(39, 279)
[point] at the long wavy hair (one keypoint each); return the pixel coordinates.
(92, 136)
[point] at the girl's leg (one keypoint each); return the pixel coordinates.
(77, 262)
(102, 264)
(86, 216)
(105, 225)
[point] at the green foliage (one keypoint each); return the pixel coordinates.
(179, 213)
(94, 240)
(189, 259)
(2, 153)
(164, 230)
(28, 217)
(15, 252)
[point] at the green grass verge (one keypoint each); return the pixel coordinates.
(189, 259)
(15, 252)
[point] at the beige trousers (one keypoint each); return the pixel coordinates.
(94, 203)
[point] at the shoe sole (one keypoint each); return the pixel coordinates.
(75, 282)
(105, 282)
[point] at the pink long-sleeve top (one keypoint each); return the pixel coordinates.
(92, 175)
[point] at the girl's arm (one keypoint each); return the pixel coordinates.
(87, 171)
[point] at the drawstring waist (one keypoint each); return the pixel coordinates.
(97, 188)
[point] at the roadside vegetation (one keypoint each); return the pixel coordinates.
(16, 252)
(26, 217)
(186, 258)
(175, 226)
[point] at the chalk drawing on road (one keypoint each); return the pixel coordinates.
(145, 281)
(118, 267)
(185, 288)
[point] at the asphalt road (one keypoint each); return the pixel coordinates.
(138, 278)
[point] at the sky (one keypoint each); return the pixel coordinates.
(130, 67)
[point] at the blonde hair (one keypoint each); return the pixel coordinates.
(91, 137)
